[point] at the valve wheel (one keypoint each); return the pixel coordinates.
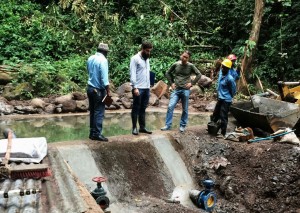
(99, 179)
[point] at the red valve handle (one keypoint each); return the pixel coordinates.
(99, 179)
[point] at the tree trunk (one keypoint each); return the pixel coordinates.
(254, 36)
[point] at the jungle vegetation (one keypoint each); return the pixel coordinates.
(50, 40)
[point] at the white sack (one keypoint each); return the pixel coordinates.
(27, 150)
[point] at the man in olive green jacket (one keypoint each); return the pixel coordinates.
(179, 78)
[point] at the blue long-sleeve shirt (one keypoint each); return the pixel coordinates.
(226, 87)
(139, 72)
(234, 74)
(97, 66)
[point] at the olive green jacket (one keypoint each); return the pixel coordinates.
(180, 74)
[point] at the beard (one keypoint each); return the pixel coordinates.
(145, 55)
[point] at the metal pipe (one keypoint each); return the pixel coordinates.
(20, 192)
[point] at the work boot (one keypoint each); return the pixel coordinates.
(99, 138)
(134, 121)
(135, 131)
(142, 123)
(144, 130)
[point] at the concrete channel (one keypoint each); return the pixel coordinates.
(122, 160)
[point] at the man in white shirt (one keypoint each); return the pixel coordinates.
(140, 82)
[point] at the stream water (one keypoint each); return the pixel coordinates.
(76, 127)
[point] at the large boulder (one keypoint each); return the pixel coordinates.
(126, 103)
(26, 110)
(204, 81)
(5, 108)
(124, 88)
(50, 108)
(153, 100)
(159, 89)
(38, 103)
(69, 106)
(79, 96)
(195, 90)
(82, 105)
(63, 99)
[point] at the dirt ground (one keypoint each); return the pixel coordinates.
(258, 177)
(261, 177)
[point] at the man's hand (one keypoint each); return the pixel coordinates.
(136, 92)
(173, 86)
(188, 85)
(107, 90)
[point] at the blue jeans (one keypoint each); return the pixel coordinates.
(97, 110)
(176, 95)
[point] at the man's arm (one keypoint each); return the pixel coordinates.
(197, 73)
(104, 76)
(169, 74)
(232, 87)
(132, 68)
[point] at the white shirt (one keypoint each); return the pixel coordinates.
(139, 72)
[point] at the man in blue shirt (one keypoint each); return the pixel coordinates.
(140, 82)
(97, 90)
(226, 91)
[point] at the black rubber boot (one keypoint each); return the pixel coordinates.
(142, 123)
(134, 121)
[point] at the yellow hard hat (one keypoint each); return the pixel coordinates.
(227, 63)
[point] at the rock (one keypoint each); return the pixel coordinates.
(204, 81)
(69, 106)
(116, 102)
(50, 108)
(127, 95)
(163, 102)
(126, 102)
(153, 100)
(211, 106)
(5, 108)
(159, 89)
(199, 106)
(112, 94)
(26, 110)
(78, 96)
(38, 103)
(82, 105)
(5, 78)
(63, 99)
(124, 88)
(195, 90)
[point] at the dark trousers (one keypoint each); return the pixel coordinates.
(221, 114)
(97, 110)
(139, 106)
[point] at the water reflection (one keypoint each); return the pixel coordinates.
(75, 127)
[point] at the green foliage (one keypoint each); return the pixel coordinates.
(52, 40)
(58, 77)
